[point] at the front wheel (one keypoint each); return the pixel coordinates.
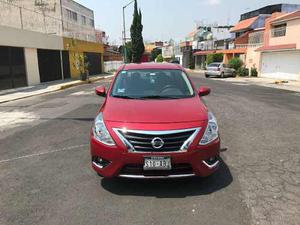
(206, 75)
(222, 75)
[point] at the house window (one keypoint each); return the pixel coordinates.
(74, 16)
(279, 30)
(71, 15)
(83, 20)
(92, 23)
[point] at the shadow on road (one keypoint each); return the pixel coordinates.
(179, 188)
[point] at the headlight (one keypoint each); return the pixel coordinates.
(211, 132)
(100, 131)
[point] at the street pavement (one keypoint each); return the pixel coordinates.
(46, 177)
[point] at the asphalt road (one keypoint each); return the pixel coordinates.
(46, 178)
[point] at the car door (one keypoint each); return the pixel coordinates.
(226, 70)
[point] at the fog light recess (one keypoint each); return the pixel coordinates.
(212, 162)
(100, 162)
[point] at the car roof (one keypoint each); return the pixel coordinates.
(145, 66)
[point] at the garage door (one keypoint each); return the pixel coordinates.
(281, 65)
(12, 68)
(94, 60)
(49, 65)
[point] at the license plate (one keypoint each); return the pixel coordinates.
(157, 163)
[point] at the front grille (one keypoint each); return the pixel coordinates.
(177, 169)
(176, 140)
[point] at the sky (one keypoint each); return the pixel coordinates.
(166, 19)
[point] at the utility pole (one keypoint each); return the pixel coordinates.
(124, 31)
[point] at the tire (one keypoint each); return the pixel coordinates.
(206, 75)
(222, 75)
(233, 74)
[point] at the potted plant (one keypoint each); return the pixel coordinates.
(82, 65)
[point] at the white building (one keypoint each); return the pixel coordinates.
(78, 21)
(32, 40)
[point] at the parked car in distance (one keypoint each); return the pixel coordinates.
(153, 124)
(219, 70)
(175, 61)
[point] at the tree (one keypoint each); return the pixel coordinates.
(215, 57)
(154, 53)
(235, 63)
(128, 49)
(159, 58)
(136, 30)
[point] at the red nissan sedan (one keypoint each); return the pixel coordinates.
(153, 124)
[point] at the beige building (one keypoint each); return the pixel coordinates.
(280, 54)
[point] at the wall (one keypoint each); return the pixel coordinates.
(112, 65)
(29, 39)
(253, 58)
(32, 68)
(167, 51)
(292, 34)
(41, 16)
(76, 7)
(77, 47)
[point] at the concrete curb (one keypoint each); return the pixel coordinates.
(91, 80)
(58, 88)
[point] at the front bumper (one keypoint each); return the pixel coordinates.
(197, 161)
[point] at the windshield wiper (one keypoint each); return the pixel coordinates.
(159, 97)
(124, 96)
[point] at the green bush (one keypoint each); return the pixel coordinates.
(154, 53)
(235, 63)
(243, 72)
(159, 58)
(216, 57)
(253, 72)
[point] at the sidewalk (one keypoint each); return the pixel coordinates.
(267, 82)
(26, 92)
(260, 81)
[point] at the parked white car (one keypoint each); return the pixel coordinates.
(219, 70)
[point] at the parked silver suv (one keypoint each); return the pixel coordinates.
(219, 70)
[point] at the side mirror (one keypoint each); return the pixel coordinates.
(101, 91)
(203, 91)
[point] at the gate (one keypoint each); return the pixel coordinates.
(12, 68)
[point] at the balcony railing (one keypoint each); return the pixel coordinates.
(278, 31)
(15, 16)
(249, 45)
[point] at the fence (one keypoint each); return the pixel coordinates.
(249, 45)
(112, 65)
(40, 20)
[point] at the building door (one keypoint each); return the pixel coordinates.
(95, 63)
(49, 65)
(12, 68)
(281, 65)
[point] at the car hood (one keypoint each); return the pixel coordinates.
(154, 111)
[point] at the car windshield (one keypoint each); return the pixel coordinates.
(214, 65)
(152, 84)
